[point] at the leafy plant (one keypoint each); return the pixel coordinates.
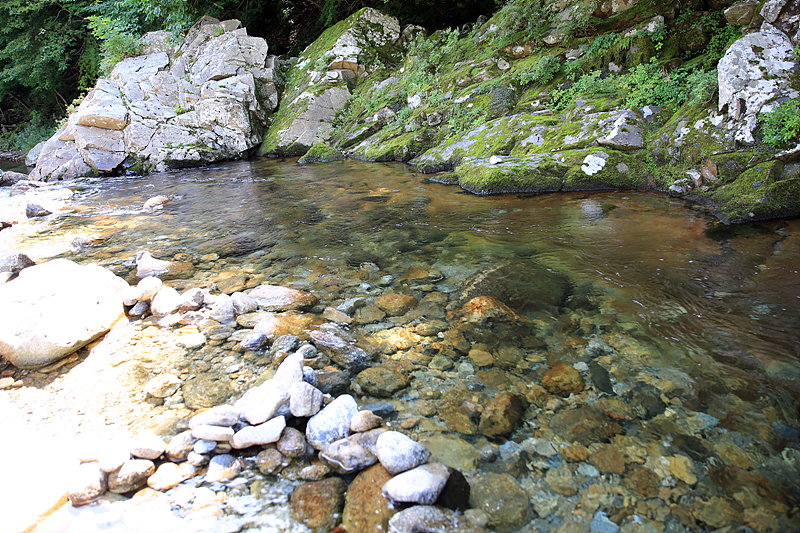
(117, 38)
(542, 72)
(782, 125)
(26, 136)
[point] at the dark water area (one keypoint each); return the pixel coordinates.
(651, 298)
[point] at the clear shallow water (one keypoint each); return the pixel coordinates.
(650, 283)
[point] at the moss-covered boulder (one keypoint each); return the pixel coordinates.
(319, 84)
(321, 153)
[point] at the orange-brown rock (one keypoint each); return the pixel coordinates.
(502, 415)
(319, 504)
(608, 460)
(563, 380)
(395, 304)
(484, 308)
(365, 508)
(574, 454)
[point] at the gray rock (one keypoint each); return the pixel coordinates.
(265, 433)
(132, 475)
(310, 376)
(221, 415)
(284, 344)
(88, 484)
(254, 341)
(625, 133)
(432, 520)
(422, 484)
(332, 423)
(14, 262)
(147, 445)
(196, 459)
(203, 447)
(352, 453)
(35, 211)
(340, 347)
(223, 468)
(398, 453)
(304, 399)
(33, 155)
(140, 309)
(223, 310)
(264, 402)
(754, 71)
(54, 308)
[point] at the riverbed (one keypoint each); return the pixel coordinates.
(686, 332)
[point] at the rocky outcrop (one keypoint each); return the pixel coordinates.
(203, 101)
(318, 82)
(55, 308)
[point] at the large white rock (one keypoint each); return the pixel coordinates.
(54, 308)
(754, 72)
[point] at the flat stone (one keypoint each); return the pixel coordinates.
(215, 433)
(163, 386)
(353, 453)
(221, 415)
(395, 304)
(207, 390)
(422, 484)
(265, 433)
(502, 499)
(264, 402)
(276, 299)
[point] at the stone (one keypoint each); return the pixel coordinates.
(331, 423)
(395, 304)
(432, 519)
(243, 304)
(340, 347)
(221, 415)
(265, 433)
(754, 71)
(131, 475)
(36, 211)
(561, 481)
(191, 341)
(304, 399)
(741, 13)
(333, 382)
(485, 308)
(682, 468)
(165, 302)
(352, 453)
(271, 462)
(170, 475)
(163, 386)
(608, 460)
(207, 390)
(191, 299)
(222, 469)
(421, 485)
(502, 499)
(147, 288)
(314, 472)
(382, 381)
(222, 310)
(147, 445)
(452, 451)
(55, 308)
(292, 443)
(87, 484)
(365, 507)
(601, 524)
(319, 504)
(502, 415)
(276, 299)
(155, 203)
(398, 453)
(147, 265)
(14, 262)
(215, 433)
(563, 380)
(179, 446)
(264, 402)
(625, 133)
(365, 420)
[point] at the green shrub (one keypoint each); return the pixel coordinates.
(27, 135)
(782, 125)
(117, 38)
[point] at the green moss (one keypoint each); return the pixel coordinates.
(622, 170)
(761, 192)
(321, 153)
(539, 174)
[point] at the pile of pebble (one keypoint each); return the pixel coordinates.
(339, 439)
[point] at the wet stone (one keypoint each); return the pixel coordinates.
(332, 423)
(87, 485)
(365, 420)
(561, 481)
(170, 475)
(271, 462)
(432, 519)
(502, 499)
(502, 415)
(319, 504)
(395, 304)
(365, 508)
(563, 380)
(398, 453)
(382, 381)
(349, 454)
(292, 443)
(221, 415)
(314, 472)
(421, 485)
(608, 460)
(207, 390)
(304, 399)
(584, 425)
(642, 481)
(163, 386)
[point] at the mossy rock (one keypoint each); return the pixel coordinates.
(321, 153)
(762, 192)
(538, 173)
(600, 169)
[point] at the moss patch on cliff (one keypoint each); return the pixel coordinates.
(759, 193)
(321, 153)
